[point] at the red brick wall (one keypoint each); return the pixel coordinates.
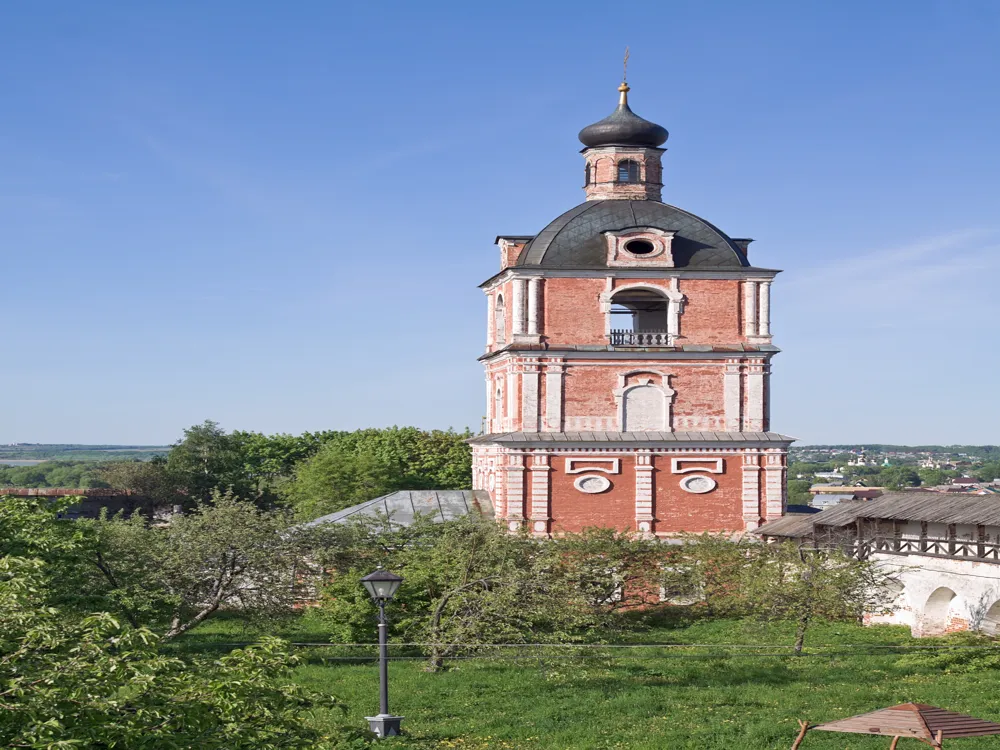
(573, 510)
(711, 311)
(698, 391)
(589, 391)
(573, 311)
(677, 510)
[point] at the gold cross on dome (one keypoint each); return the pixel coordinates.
(625, 65)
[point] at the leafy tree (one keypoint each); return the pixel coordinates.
(206, 460)
(467, 583)
(793, 582)
(611, 570)
(92, 682)
(988, 471)
(149, 479)
(932, 477)
(798, 492)
(897, 477)
(224, 553)
(67, 474)
(337, 478)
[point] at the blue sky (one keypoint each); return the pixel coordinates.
(275, 215)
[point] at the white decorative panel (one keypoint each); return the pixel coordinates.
(644, 409)
(698, 484)
(592, 483)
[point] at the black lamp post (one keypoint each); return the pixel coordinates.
(382, 586)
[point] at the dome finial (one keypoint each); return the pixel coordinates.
(624, 89)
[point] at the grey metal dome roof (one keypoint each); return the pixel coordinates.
(623, 127)
(576, 240)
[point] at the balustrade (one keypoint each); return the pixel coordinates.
(640, 338)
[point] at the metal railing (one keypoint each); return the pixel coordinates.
(640, 338)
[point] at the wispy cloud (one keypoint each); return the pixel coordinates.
(889, 277)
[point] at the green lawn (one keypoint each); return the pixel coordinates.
(695, 697)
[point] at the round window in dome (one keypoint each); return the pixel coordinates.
(639, 247)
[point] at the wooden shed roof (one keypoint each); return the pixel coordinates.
(914, 720)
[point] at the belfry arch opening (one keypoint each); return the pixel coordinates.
(639, 311)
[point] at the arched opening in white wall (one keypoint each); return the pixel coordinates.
(644, 409)
(500, 318)
(937, 610)
(991, 622)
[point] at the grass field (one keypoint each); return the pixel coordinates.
(702, 697)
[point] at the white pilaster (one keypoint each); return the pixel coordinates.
(534, 306)
(490, 321)
(751, 490)
(754, 421)
(515, 491)
(490, 416)
(553, 397)
(764, 323)
(518, 305)
(529, 398)
(774, 486)
(540, 493)
(731, 395)
(644, 492)
(750, 308)
(511, 400)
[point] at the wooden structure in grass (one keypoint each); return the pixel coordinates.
(918, 721)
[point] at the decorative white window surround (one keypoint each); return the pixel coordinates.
(698, 484)
(675, 304)
(668, 396)
(619, 255)
(592, 484)
(675, 465)
(614, 465)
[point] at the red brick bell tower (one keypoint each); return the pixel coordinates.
(628, 361)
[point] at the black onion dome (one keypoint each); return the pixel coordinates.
(576, 239)
(623, 127)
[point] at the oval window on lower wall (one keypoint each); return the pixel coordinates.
(698, 484)
(592, 483)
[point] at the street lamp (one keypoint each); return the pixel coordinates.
(382, 586)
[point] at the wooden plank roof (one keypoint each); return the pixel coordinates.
(914, 720)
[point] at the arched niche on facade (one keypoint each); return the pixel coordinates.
(500, 321)
(645, 401)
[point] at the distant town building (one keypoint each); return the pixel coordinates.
(628, 353)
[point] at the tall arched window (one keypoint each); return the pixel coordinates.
(586, 176)
(498, 407)
(628, 171)
(500, 316)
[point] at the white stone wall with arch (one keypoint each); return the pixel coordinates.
(941, 595)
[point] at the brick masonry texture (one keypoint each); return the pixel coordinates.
(711, 311)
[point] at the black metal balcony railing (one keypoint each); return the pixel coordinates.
(639, 338)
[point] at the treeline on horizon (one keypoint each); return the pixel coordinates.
(971, 450)
(314, 473)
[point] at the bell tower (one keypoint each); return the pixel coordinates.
(627, 361)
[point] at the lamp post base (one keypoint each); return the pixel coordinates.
(385, 725)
